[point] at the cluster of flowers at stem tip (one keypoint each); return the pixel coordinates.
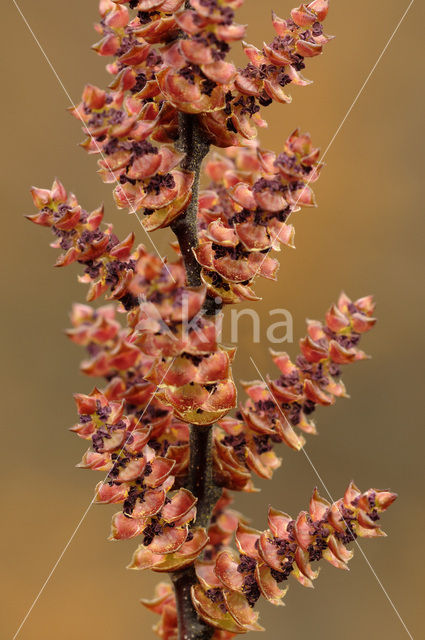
(169, 57)
(155, 342)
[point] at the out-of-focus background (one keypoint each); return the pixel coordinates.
(365, 237)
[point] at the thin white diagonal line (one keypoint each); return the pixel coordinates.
(55, 566)
(361, 550)
(47, 580)
(133, 211)
(371, 72)
(341, 124)
(130, 206)
(332, 499)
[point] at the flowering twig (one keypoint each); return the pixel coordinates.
(160, 426)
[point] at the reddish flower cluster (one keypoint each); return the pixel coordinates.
(145, 175)
(242, 214)
(245, 444)
(114, 356)
(139, 479)
(224, 524)
(230, 586)
(263, 80)
(192, 372)
(109, 264)
(173, 94)
(169, 347)
(168, 59)
(195, 77)
(280, 62)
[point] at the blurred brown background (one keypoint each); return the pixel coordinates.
(364, 237)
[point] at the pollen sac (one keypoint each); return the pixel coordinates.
(238, 452)
(230, 583)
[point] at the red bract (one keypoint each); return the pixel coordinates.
(164, 605)
(158, 424)
(127, 379)
(224, 524)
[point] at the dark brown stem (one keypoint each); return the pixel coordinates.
(199, 481)
(194, 144)
(191, 627)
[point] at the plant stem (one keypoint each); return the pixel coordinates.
(191, 627)
(194, 144)
(200, 482)
(200, 477)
